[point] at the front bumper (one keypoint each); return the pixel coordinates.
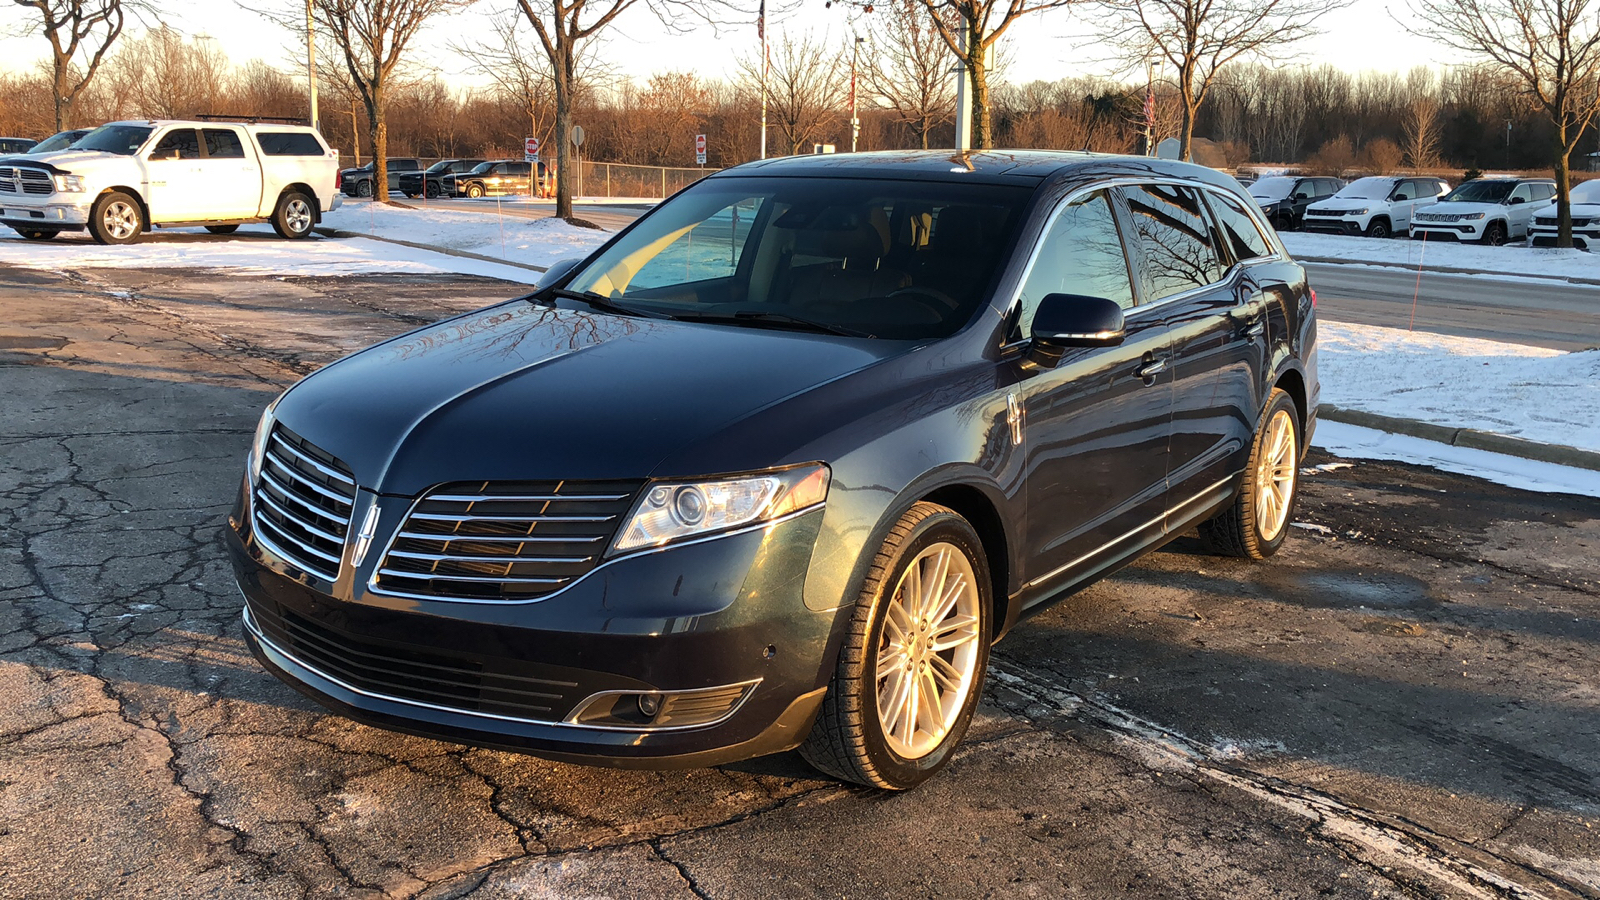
(1460, 231)
(727, 611)
(1329, 225)
(1587, 239)
(59, 214)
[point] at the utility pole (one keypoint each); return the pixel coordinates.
(963, 96)
(761, 28)
(855, 121)
(1508, 144)
(311, 64)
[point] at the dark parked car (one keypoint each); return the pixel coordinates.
(61, 140)
(1284, 198)
(357, 182)
(16, 145)
(775, 466)
(498, 178)
(412, 183)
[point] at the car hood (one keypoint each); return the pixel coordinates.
(71, 160)
(1579, 211)
(525, 392)
(1459, 207)
(1340, 204)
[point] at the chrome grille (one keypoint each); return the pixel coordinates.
(302, 503)
(503, 541)
(28, 181)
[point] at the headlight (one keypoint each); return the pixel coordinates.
(1471, 215)
(69, 184)
(258, 444)
(1356, 212)
(677, 510)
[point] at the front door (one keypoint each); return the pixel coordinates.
(175, 187)
(1095, 426)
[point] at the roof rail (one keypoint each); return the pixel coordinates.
(251, 120)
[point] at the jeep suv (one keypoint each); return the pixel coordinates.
(1491, 210)
(1377, 206)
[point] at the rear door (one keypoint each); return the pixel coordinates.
(231, 174)
(1095, 426)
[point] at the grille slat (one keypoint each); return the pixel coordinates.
(302, 503)
(465, 541)
(29, 181)
(424, 675)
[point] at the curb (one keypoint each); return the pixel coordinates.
(1442, 270)
(341, 233)
(1471, 438)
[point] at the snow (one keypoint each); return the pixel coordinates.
(1491, 262)
(538, 242)
(1354, 442)
(1528, 392)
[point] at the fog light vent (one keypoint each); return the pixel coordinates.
(653, 710)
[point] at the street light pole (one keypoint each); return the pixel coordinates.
(855, 121)
(311, 64)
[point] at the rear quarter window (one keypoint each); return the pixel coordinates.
(1238, 229)
(1174, 238)
(290, 143)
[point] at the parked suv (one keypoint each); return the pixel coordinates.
(491, 179)
(1284, 198)
(829, 426)
(61, 140)
(1585, 200)
(1493, 210)
(16, 145)
(357, 182)
(1377, 206)
(412, 183)
(122, 179)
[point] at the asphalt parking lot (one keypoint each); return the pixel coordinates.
(1403, 703)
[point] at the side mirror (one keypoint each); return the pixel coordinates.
(170, 153)
(557, 271)
(1073, 320)
(1517, 200)
(1302, 195)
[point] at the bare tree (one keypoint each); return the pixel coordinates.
(1382, 156)
(1552, 47)
(371, 38)
(1420, 127)
(166, 76)
(80, 33)
(1198, 37)
(805, 88)
(909, 68)
(521, 70)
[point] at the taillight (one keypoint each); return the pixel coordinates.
(1313, 292)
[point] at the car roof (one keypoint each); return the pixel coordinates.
(1022, 167)
(201, 123)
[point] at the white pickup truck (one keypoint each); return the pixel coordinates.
(123, 179)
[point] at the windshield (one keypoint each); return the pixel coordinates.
(57, 142)
(481, 168)
(441, 166)
(1275, 188)
(1367, 189)
(889, 259)
(1480, 192)
(123, 140)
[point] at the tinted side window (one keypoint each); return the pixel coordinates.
(1238, 229)
(1543, 191)
(183, 140)
(223, 143)
(521, 168)
(289, 143)
(1174, 237)
(1327, 188)
(1405, 190)
(1081, 254)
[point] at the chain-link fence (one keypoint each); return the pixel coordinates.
(603, 179)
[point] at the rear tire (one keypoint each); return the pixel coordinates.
(116, 218)
(294, 218)
(1254, 525)
(915, 654)
(222, 229)
(1378, 228)
(39, 234)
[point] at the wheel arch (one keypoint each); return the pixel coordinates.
(144, 207)
(300, 187)
(971, 503)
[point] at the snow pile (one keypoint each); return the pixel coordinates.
(518, 238)
(1542, 262)
(1527, 392)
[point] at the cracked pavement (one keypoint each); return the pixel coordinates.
(1401, 705)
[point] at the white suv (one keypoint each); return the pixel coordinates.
(1377, 206)
(1492, 210)
(122, 179)
(1585, 199)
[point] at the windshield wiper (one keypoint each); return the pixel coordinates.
(781, 320)
(605, 304)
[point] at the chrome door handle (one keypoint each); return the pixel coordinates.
(1151, 369)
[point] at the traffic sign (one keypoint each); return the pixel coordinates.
(577, 135)
(530, 149)
(700, 149)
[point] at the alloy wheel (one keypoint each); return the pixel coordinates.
(297, 215)
(928, 653)
(121, 219)
(1275, 475)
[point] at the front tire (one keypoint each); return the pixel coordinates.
(1378, 228)
(364, 189)
(1495, 235)
(1254, 525)
(294, 218)
(116, 218)
(911, 670)
(38, 234)
(474, 191)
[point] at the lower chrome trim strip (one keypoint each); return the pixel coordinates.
(282, 656)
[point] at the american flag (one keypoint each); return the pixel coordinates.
(1149, 105)
(761, 21)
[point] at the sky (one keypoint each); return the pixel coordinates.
(1047, 47)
